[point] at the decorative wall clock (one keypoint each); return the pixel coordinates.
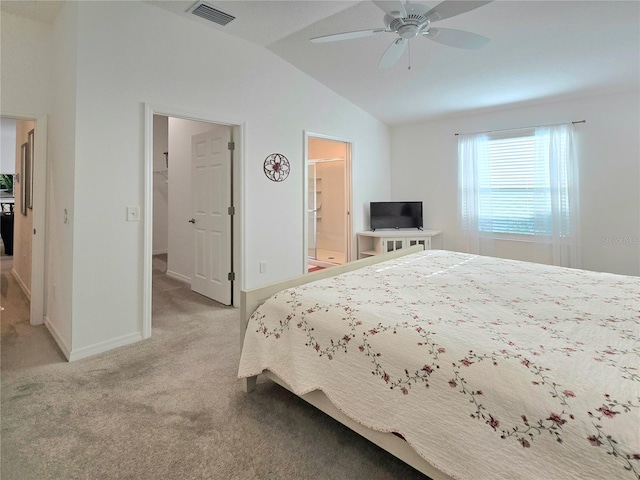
(276, 167)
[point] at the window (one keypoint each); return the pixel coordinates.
(514, 185)
(519, 182)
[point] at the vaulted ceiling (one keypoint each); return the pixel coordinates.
(539, 51)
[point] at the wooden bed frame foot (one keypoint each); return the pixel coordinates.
(249, 384)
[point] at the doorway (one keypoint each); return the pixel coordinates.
(196, 168)
(328, 202)
(22, 201)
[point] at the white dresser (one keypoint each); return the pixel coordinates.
(382, 241)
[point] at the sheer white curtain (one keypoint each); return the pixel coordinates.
(551, 215)
(472, 152)
(556, 172)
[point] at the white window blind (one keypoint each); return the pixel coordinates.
(514, 185)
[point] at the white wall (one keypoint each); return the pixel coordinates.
(425, 168)
(26, 65)
(148, 55)
(62, 180)
(160, 185)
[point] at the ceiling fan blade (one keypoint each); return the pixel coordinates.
(394, 8)
(451, 8)
(347, 35)
(456, 38)
(393, 53)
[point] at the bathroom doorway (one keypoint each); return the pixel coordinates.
(328, 202)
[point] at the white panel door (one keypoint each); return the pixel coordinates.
(211, 197)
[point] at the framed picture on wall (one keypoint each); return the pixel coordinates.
(29, 177)
(23, 178)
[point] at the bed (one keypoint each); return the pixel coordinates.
(463, 366)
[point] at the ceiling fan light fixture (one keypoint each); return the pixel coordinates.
(407, 27)
(408, 31)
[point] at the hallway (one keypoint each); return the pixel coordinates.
(21, 345)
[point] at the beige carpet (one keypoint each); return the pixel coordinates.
(169, 407)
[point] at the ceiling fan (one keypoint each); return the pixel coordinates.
(409, 20)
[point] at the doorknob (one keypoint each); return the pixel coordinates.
(193, 220)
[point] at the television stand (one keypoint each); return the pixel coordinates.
(376, 242)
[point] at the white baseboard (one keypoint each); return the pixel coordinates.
(91, 350)
(66, 351)
(102, 347)
(23, 287)
(178, 276)
(160, 252)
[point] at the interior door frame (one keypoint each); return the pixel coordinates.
(38, 286)
(237, 181)
(305, 196)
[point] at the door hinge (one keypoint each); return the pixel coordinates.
(231, 145)
(231, 276)
(231, 210)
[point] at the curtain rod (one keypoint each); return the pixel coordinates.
(524, 128)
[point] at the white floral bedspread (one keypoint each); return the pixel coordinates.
(489, 368)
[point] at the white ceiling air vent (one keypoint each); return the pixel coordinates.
(210, 13)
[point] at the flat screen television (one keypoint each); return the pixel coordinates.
(395, 215)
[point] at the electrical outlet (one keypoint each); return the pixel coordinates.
(263, 266)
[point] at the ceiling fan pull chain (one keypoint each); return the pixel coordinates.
(409, 53)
